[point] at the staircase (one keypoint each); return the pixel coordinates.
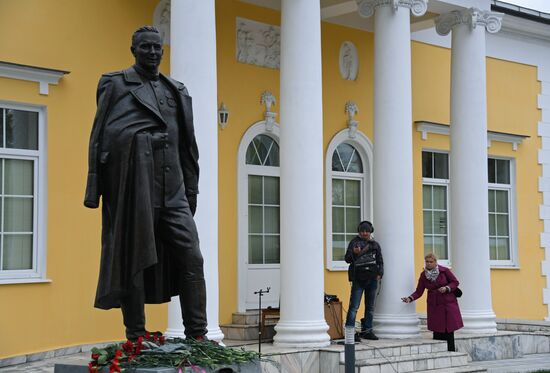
(424, 358)
(244, 326)
(404, 356)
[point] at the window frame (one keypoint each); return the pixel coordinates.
(447, 184)
(513, 262)
(270, 171)
(258, 128)
(38, 271)
(364, 149)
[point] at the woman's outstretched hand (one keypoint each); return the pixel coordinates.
(406, 299)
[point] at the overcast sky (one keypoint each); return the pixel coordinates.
(541, 5)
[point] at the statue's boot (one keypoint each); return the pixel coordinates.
(133, 314)
(193, 308)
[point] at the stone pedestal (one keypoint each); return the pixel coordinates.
(252, 367)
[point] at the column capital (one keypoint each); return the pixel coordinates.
(367, 7)
(492, 21)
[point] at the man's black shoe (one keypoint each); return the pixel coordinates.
(369, 335)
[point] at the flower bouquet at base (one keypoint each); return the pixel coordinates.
(153, 350)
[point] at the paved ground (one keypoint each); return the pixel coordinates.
(47, 365)
(528, 363)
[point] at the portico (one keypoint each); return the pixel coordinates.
(301, 118)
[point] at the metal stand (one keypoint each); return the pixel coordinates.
(260, 293)
(349, 349)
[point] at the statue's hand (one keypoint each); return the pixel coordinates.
(192, 199)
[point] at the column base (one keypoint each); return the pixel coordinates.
(175, 332)
(478, 322)
(396, 326)
(301, 334)
(175, 327)
(215, 334)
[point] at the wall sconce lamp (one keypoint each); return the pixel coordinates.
(223, 116)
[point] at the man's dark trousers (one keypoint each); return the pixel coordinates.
(177, 230)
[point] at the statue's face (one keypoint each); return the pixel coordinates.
(148, 50)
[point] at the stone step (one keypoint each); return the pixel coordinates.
(252, 317)
(466, 369)
(245, 318)
(240, 332)
(411, 363)
(381, 349)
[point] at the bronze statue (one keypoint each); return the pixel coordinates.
(143, 161)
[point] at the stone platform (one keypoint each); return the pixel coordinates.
(241, 368)
(521, 351)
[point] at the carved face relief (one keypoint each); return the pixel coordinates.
(148, 50)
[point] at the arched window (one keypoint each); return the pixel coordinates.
(348, 193)
(258, 216)
(263, 200)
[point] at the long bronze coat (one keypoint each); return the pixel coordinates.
(121, 171)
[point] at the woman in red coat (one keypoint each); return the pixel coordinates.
(443, 312)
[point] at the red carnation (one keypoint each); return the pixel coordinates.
(128, 346)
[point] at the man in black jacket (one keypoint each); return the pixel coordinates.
(365, 270)
(143, 161)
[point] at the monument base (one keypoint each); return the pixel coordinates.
(251, 367)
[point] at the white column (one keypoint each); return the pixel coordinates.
(193, 62)
(468, 169)
(302, 322)
(393, 167)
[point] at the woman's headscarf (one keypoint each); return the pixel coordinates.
(431, 274)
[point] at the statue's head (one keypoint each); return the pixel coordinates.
(147, 47)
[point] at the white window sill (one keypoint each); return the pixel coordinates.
(504, 266)
(338, 268)
(10, 281)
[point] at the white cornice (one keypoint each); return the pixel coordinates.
(525, 27)
(442, 129)
(43, 76)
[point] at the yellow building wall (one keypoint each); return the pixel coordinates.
(239, 87)
(512, 90)
(336, 92)
(85, 38)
